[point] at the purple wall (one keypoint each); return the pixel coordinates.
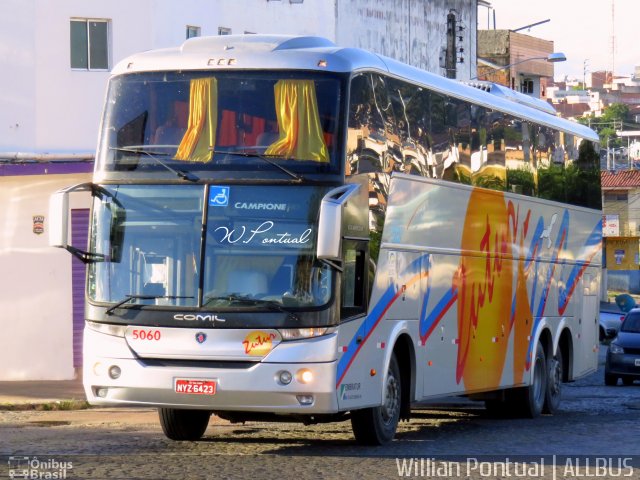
(49, 168)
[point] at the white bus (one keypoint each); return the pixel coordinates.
(289, 230)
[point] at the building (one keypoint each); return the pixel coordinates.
(621, 229)
(56, 59)
(515, 60)
(59, 54)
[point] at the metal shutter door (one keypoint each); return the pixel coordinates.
(79, 236)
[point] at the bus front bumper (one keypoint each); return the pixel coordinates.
(256, 388)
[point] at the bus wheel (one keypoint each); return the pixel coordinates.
(183, 424)
(529, 400)
(377, 425)
(554, 384)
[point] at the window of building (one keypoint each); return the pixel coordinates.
(193, 31)
(616, 197)
(526, 86)
(89, 41)
(224, 31)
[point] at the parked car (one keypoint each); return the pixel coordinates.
(623, 355)
(610, 324)
(611, 317)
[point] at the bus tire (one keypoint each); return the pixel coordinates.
(183, 424)
(377, 425)
(529, 400)
(554, 384)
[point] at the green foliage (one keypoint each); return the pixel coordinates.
(587, 156)
(615, 112)
(521, 180)
(489, 181)
(551, 183)
(608, 137)
(577, 183)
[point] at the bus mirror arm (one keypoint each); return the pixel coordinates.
(85, 257)
(330, 222)
(331, 264)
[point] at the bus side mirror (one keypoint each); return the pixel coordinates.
(59, 219)
(330, 222)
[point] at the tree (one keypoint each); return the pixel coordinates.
(612, 116)
(616, 112)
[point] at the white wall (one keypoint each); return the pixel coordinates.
(410, 31)
(58, 109)
(313, 17)
(18, 72)
(70, 101)
(35, 281)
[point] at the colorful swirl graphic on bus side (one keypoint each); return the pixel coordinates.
(485, 292)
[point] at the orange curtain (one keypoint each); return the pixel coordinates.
(228, 134)
(298, 122)
(199, 140)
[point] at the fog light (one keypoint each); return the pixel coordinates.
(305, 399)
(114, 371)
(285, 377)
(102, 392)
(304, 375)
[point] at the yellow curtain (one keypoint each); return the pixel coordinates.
(200, 138)
(298, 121)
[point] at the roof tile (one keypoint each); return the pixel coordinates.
(620, 179)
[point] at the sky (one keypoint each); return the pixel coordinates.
(581, 29)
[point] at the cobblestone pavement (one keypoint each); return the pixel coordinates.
(595, 421)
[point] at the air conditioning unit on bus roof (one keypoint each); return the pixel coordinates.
(224, 43)
(508, 94)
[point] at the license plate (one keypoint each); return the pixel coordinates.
(195, 387)
(637, 362)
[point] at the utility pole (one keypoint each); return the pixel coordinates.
(613, 40)
(584, 73)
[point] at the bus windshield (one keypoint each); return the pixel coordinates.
(257, 251)
(221, 121)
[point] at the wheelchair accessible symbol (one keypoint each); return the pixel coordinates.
(218, 196)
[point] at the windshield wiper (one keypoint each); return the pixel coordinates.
(128, 298)
(251, 302)
(154, 156)
(266, 158)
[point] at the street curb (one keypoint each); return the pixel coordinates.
(45, 406)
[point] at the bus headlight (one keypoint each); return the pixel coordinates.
(114, 372)
(300, 333)
(304, 376)
(284, 377)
